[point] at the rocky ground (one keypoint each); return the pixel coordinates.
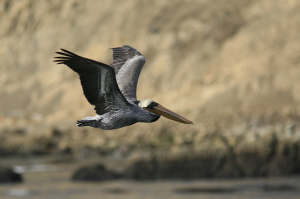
(267, 146)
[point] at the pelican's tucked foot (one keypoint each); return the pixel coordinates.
(93, 123)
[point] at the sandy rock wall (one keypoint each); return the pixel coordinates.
(206, 60)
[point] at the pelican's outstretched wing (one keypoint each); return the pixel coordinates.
(98, 82)
(128, 63)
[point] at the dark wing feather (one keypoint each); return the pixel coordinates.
(127, 63)
(98, 82)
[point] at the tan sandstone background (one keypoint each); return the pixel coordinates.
(232, 67)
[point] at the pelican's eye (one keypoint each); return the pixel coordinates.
(152, 104)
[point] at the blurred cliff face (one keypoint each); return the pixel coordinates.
(203, 58)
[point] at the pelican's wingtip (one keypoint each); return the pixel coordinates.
(192, 123)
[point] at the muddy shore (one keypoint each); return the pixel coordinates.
(265, 146)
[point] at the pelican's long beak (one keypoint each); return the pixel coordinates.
(159, 109)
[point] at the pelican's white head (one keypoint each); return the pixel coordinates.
(154, 107)
(146, 102)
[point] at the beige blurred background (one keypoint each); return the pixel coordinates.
(232, 67)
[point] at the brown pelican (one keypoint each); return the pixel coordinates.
(112, 90)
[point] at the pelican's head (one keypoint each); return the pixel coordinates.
(154, 107)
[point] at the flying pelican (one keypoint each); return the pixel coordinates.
(112, 90)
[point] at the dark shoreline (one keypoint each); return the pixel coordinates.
(234, 148)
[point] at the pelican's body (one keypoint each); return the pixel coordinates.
(120, 118)
(112, 90)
